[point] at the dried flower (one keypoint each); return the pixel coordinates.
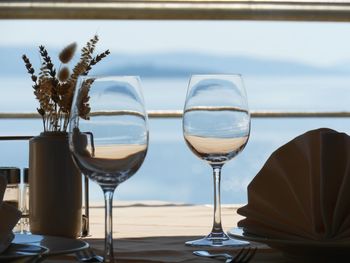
(63, 74)
(84, 107)
(96, 59)
(55, 91)
(67, 53)
(31, 71)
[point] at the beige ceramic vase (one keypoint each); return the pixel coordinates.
(55, 195)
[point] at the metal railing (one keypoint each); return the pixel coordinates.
(281, 10)
(178, 114)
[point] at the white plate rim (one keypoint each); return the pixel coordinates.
(82, 244)
(19, 256)
(238, 233)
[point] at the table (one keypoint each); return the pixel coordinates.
(156, 232)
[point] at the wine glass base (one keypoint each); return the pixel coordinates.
(222, 241)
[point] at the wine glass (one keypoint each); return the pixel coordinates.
(216, 127)
(108, 135)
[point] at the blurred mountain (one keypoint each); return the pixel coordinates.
(178, 64)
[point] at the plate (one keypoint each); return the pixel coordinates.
(56, 245)
(22, 253)
(301, 250)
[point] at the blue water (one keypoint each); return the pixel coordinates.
(171, 172)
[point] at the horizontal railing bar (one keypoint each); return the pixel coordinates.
(280, 10)
(15, 138)
(296, 114)
(178, 114)
(264, 114)
(20, 115)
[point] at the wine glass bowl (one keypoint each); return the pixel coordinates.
(108, 135)
(216, 127)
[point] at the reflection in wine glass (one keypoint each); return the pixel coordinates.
(108, 135)
(216, 127)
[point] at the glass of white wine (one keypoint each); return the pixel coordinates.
(108, 135)
(216, 127)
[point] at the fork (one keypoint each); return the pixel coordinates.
(88, 256)
(243, 256)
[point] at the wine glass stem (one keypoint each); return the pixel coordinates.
(217, 227)
(108, 254)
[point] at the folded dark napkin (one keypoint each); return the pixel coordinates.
(9, 216)
(302, 193)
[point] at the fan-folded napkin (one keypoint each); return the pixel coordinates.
(303, 190)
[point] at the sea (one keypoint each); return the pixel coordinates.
(171, 172)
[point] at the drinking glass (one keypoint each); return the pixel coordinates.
(216, 127)
(108, 135)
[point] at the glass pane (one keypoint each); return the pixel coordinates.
(285, 65)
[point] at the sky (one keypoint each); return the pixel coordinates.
(321, 44)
